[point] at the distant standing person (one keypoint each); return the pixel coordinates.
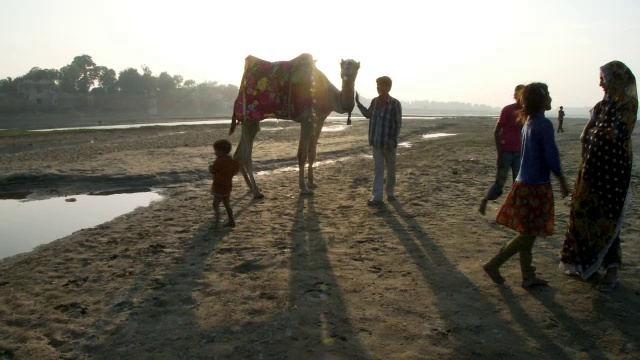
(560, 119)
(223, 169)
(529, 206)
(385, 120)
(603, 192)
(507, 135)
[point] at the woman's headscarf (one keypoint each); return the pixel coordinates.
(619, 82)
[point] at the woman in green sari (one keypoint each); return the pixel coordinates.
(602, 190)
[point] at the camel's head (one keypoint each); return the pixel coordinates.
(349, 69)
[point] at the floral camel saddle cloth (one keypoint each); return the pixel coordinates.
(278, 89)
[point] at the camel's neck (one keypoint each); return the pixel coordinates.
(346, 96)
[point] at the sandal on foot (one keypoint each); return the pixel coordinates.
(528, 283)
(607, 285)
(375, 202)
(494, 274)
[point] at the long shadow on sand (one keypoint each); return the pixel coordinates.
(164, 325)
(575, 330)
(532, 329)
(463, 306)
(321, 319)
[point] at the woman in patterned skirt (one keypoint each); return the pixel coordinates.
(528, 208)
(602, 187)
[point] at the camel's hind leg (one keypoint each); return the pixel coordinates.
(244, 153)
(306, 136)
(313, 145)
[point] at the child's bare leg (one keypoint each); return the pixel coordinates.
(227, 205)
(216, 208)
(492, 268)
(529, 278)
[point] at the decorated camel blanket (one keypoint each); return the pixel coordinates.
(272, 89)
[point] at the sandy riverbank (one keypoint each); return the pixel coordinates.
(324, 276)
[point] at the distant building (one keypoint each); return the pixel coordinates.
(41, 92)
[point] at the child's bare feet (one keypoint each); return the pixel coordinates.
(230, 223)
(534, 281)
(493, 273)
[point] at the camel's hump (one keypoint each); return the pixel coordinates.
(251, 61)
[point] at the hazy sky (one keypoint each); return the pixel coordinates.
(469, 51)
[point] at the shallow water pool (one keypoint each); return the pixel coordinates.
(28, 223)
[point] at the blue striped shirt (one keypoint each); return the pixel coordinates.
(385, 120)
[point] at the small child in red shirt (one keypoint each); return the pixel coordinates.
(223, 169)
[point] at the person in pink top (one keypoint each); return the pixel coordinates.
(507, 135)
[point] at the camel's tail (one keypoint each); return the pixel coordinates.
(234, 123)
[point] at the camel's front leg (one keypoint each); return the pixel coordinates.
(244, 157)
(312, 153)
(306, 134)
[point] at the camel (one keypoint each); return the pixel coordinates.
(289, 90)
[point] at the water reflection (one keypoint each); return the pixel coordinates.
(405, 145)
(334, 128)
(436, 135)
(26, 224)
(334, 119)
(131, 126)
(315, 165)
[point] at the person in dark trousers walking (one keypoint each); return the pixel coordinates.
(507, 135)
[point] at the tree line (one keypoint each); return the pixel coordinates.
(84, 77)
